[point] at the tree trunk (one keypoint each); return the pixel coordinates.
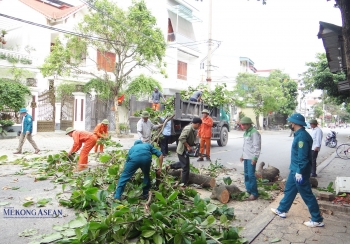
(344, 6)
(232, 189)
(220, 193)
(116, 115)
(257, 122)
(270, 173)
(203, 180)
(313, 182)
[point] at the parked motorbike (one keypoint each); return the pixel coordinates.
(331, 139)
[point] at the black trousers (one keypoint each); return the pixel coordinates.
(314, 157)
(184, 163)
(164, 145)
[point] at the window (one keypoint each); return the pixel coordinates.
(105, 61)
(171, 35)
(181, 70)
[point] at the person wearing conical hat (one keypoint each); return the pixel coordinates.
(250, 155)
(81, 137)
(204, 133)
(26, 133)
(145, 127)
(101, 131)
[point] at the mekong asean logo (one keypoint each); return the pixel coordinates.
(11, 212)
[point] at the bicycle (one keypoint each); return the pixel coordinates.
(343, 151)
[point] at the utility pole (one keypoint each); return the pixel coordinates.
(209, 43)
(323, 120)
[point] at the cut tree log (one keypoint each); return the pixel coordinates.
(270, 173)
(220, 193)
(203, 180)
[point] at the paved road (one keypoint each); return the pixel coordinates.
(275, 149)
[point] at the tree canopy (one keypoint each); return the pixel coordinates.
(130, 36)
(262, 94)
(13, 94)
(318, 76)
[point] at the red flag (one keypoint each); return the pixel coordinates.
(121, 99)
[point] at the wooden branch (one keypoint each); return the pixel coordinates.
(270, 173)
(223, 192)
(203, 180)
(147, 204)
(164, 123)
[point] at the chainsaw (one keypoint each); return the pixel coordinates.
(195, 152)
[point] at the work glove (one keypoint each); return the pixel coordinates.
(299, 178)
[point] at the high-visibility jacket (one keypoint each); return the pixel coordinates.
(205, 129)
(101, 130)
(80, 137)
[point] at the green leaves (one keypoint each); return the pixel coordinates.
(12, 94)
(78, 222)
(105, 158)
(227, 180)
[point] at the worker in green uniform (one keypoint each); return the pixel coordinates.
(300, 170)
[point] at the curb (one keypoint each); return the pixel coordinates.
(326, 162)
(334, 207)
(258, 224)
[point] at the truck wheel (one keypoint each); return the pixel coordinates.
(223, 137)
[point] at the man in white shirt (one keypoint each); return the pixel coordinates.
(316, 134)
(145, 127)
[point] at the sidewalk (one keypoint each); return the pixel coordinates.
(267, 226)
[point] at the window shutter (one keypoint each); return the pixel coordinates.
(106, 61)
(181, 70)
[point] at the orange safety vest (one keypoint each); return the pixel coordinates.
(100, 130)
(205, 129)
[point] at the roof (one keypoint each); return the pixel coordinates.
(52, 9)
(333, 43)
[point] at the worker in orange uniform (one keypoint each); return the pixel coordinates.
(204, 133)
(101, 131)
(89, 139)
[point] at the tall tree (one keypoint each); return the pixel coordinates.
(124, 40)
(264, 95)
(290, 92)
(344, 6)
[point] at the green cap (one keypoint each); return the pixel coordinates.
(105, 121)
(205, 111)
(313, 121)
(145, 114)
(69, 130)
(246, 120)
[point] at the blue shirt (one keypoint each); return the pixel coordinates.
(301, 156)
(27, 124)
(142, 152)
(167, 128)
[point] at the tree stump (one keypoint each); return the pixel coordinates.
(220, 193)
(223, 192)
(203, 180)
(270, 173)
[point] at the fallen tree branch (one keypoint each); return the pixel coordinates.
(160, 132)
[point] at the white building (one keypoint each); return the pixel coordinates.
(179, 20)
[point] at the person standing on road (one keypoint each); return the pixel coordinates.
(156, 95)
(187, 139)
(204, 133)
(166, 136)
(145, 127)
(101, 131)
(196, 96)
(139, 156)
(26, 133)
(89, 139)
(250, 155)
(299, 176)
(316, 134)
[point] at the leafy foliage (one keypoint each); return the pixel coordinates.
(12, 94)
(102, 87)
(172, 216)
(131, 35)
(264, 95)
(318, 76)
(141, 86)
(65, 89)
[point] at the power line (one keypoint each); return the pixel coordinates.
(57, 29)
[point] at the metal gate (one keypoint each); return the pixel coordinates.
(67, 112)
(46, 109)
(98, 109)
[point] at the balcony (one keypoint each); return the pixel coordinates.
(13, 57)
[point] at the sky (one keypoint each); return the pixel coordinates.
(279, 35)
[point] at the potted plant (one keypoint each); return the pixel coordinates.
(122, 128)
(3, 33)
